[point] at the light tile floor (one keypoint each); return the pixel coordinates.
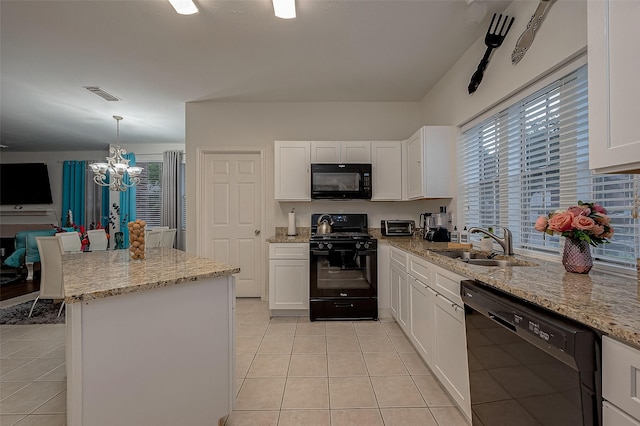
(289, 371)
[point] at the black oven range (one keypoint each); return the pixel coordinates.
(343, 271)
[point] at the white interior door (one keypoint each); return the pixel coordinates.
(232, 198)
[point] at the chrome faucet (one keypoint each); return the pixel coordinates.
(506, 242)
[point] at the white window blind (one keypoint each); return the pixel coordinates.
(149, 193)
(533, 158)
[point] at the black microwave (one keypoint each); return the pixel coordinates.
(341, 181)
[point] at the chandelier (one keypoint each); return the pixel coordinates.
(113, 172)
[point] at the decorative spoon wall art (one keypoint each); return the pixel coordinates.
(526, 39)
(493, 40)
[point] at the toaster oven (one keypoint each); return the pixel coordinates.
(397, 227)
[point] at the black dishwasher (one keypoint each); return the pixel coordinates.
(528, 365)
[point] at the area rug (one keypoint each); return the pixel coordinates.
(45, 312)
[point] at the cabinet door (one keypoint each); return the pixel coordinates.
(439, 147)
(386, 170)
(450, 354)
(404, 312)
(288, 284)
(325, 152)
(614, 88)
(395, 291)
(422, 301)
(415, 166)
(355, 152)
(292, 178)
(620, 373)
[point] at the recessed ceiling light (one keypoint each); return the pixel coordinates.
(97, 90)
(184, 7)
(285, 9)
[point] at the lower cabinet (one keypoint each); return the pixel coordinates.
(422, 302)
(450, 354)
(425, 301)
(620, 384)
(289, 276)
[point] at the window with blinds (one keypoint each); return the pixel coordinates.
(533, 158)
(149, 193)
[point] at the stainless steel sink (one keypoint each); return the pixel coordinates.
(481, 259)
(493, 262)
(459, 254)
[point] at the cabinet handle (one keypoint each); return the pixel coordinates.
(257, 232)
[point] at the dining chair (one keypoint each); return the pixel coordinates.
(153, 238)
(51, 279)
(97, 239)
(70, 241)
(168, 237)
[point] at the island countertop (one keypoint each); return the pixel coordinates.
(99, 274)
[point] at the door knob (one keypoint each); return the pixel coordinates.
(257, 232)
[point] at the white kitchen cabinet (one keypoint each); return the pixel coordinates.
(613, 416)
(340, 152)
(422, 301)
(450, 351)
(394, 287)
(614, 87)
(292, 171)
(386, 170)
(289, 276)
(399, 287)
(620, 384)
(428, 163)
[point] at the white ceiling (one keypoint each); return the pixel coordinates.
(156, 60)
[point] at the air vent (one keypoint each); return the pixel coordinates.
(102, 93)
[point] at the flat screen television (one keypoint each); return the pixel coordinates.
(24, 183)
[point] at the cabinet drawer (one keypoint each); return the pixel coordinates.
(399, 258)
(447, 283)
(419, 269)
(621, 376)
(292, 251)
(611, 416)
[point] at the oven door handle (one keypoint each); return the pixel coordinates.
(319, 252)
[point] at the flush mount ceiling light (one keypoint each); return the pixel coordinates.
(97, 90)
(184, 7)
(116, 167)
(285, 9)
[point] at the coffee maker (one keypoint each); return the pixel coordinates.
(434, 226)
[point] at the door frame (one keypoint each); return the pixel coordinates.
(202, 153)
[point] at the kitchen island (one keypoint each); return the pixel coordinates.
(148, 342)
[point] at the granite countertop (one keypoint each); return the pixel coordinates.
(604, 301)
(99, 274)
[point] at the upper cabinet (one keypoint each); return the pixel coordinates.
(428, 163)
(614, 87)
(340, 152)
(292, 174)
(386, 170)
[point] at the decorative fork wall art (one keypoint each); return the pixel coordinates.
(494, 38)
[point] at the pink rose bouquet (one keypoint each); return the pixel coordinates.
(586, 221)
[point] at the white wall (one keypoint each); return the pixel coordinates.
(233, 124)
(562, 36)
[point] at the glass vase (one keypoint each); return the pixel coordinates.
(577, 256)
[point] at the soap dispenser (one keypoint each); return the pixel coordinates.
(464, 236)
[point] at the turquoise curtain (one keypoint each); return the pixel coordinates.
(73, 190)
(128, 202)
